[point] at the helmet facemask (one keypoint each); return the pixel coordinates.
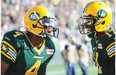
(88, 24)
(48, 25)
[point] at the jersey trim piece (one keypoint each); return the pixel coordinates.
(112, 55)
(10, 46)
(109, 45)
(8, 51)
(41, 49)
(7, 56)
(111, 49)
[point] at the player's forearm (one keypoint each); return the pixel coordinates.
(4, 67)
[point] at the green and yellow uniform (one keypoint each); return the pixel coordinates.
(23, 58)
(104, 53)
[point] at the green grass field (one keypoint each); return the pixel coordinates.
(60, 70)
(56, 67)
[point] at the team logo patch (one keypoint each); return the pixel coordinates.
(34, 16)
(50, 51)
(102, 13)
(100, 46)
(4, 48)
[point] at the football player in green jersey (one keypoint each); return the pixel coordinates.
(28, 52)
(96, 21)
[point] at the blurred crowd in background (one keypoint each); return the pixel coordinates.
(67, 13)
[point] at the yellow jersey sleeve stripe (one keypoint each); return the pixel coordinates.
(112, 55)
(10, 46)
(7, 56)
(109, 45)
(109, 35)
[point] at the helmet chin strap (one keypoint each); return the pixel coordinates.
(92, 34)
(33, 32)
(100, 34)
(43, 34)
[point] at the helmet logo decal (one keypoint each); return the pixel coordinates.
(102, 13)
(34, 16)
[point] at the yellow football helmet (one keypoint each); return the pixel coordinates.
(97, 17)
(38, 19)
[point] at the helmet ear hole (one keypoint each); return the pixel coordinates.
(90, 15)
(34, 26)
(103, 23)
(45, 17)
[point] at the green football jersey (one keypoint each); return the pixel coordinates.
(104, 53)
(23, 58)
